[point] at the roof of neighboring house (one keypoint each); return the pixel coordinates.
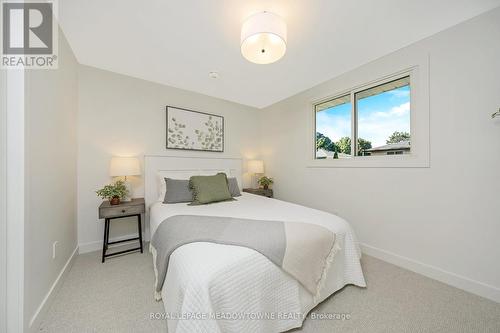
(324, 153)
(402, 145)
(329, 154)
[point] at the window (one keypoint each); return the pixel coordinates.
(377, 122)
(333, 128)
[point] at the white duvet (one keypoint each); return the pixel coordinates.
(222, 288)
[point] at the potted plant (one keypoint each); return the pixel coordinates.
(265, 182)
(113, 192)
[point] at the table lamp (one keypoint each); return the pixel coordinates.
(123, 167)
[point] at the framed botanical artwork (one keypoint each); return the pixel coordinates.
(193, 130)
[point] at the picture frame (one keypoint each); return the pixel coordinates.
(194, 130)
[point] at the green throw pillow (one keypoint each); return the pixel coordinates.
(207, 189)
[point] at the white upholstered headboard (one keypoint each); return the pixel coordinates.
(156, 167)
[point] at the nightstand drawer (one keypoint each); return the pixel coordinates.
(118, 211)
(260, 191)
(134, 207)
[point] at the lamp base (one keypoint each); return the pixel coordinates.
(129, 191)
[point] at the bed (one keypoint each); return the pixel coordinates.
(225, 288)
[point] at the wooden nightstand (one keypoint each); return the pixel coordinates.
(109, 212)
(259, 191)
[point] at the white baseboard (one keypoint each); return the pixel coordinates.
(452, 279)
(97, 245)
(47, 300)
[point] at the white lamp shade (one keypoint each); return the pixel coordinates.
(263, 38)
(124, 166)
(256, 166)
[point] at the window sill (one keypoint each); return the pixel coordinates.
(391, 161)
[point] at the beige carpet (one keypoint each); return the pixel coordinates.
(117, 297)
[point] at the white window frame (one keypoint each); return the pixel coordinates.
(419, 117)
(354, 112)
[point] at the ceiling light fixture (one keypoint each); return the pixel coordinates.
(213, 75)
(263, 38)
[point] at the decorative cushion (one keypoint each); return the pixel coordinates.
(177, 191)
(207, 189)
(233, 187)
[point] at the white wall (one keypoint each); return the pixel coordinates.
(14, 173)
(12, 197)
(51, 156)
(3, 201)
(442, 221)
(125, 116)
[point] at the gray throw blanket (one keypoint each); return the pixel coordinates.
(300, 249)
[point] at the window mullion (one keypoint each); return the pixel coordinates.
(354, 127)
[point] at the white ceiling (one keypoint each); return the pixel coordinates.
(178, 43)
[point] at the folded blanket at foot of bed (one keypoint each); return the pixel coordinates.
(302, 250)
